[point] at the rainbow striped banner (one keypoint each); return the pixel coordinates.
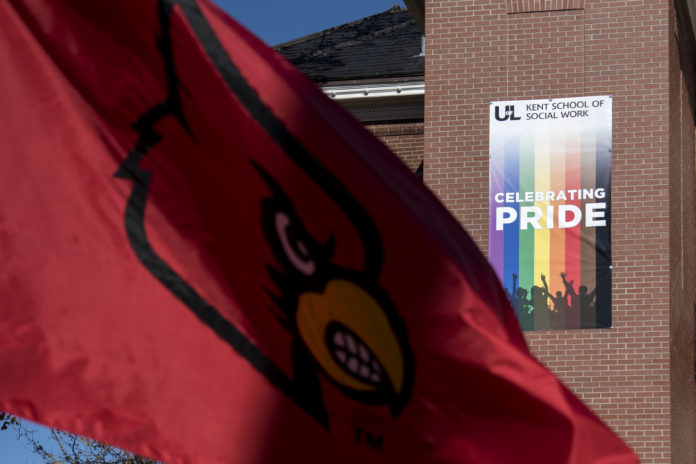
(550, 209)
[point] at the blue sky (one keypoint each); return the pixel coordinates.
(277, 21)
(13, 451)
(274, 22)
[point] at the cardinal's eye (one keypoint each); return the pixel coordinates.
(294, 248)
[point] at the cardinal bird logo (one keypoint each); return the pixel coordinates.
(343, 325)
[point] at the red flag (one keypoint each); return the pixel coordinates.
(205, 260)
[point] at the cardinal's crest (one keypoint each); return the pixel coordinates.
(342, 325)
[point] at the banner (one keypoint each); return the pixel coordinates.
(550, 209)
(207, 260)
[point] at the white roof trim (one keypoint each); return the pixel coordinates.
(370, 91)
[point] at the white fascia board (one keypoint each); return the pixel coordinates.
(370, 91)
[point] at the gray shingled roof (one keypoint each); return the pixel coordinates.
(386, 45)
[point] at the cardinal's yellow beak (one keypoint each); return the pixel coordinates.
(351, 338)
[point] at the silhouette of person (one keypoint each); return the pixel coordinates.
(560, 306)
(523, 305)
(581, 304)
(541, 306)
(510, 297)
(513, 295)
(588, 314)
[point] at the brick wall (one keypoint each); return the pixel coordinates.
(529, 6)
(682, 234)
(480, 51)
(405, 139)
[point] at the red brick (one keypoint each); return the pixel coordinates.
(638, 376)
(404, 139)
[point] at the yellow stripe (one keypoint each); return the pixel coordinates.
(542, 173)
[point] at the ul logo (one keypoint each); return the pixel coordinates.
(509, 113)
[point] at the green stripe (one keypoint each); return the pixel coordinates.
(526, 253)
